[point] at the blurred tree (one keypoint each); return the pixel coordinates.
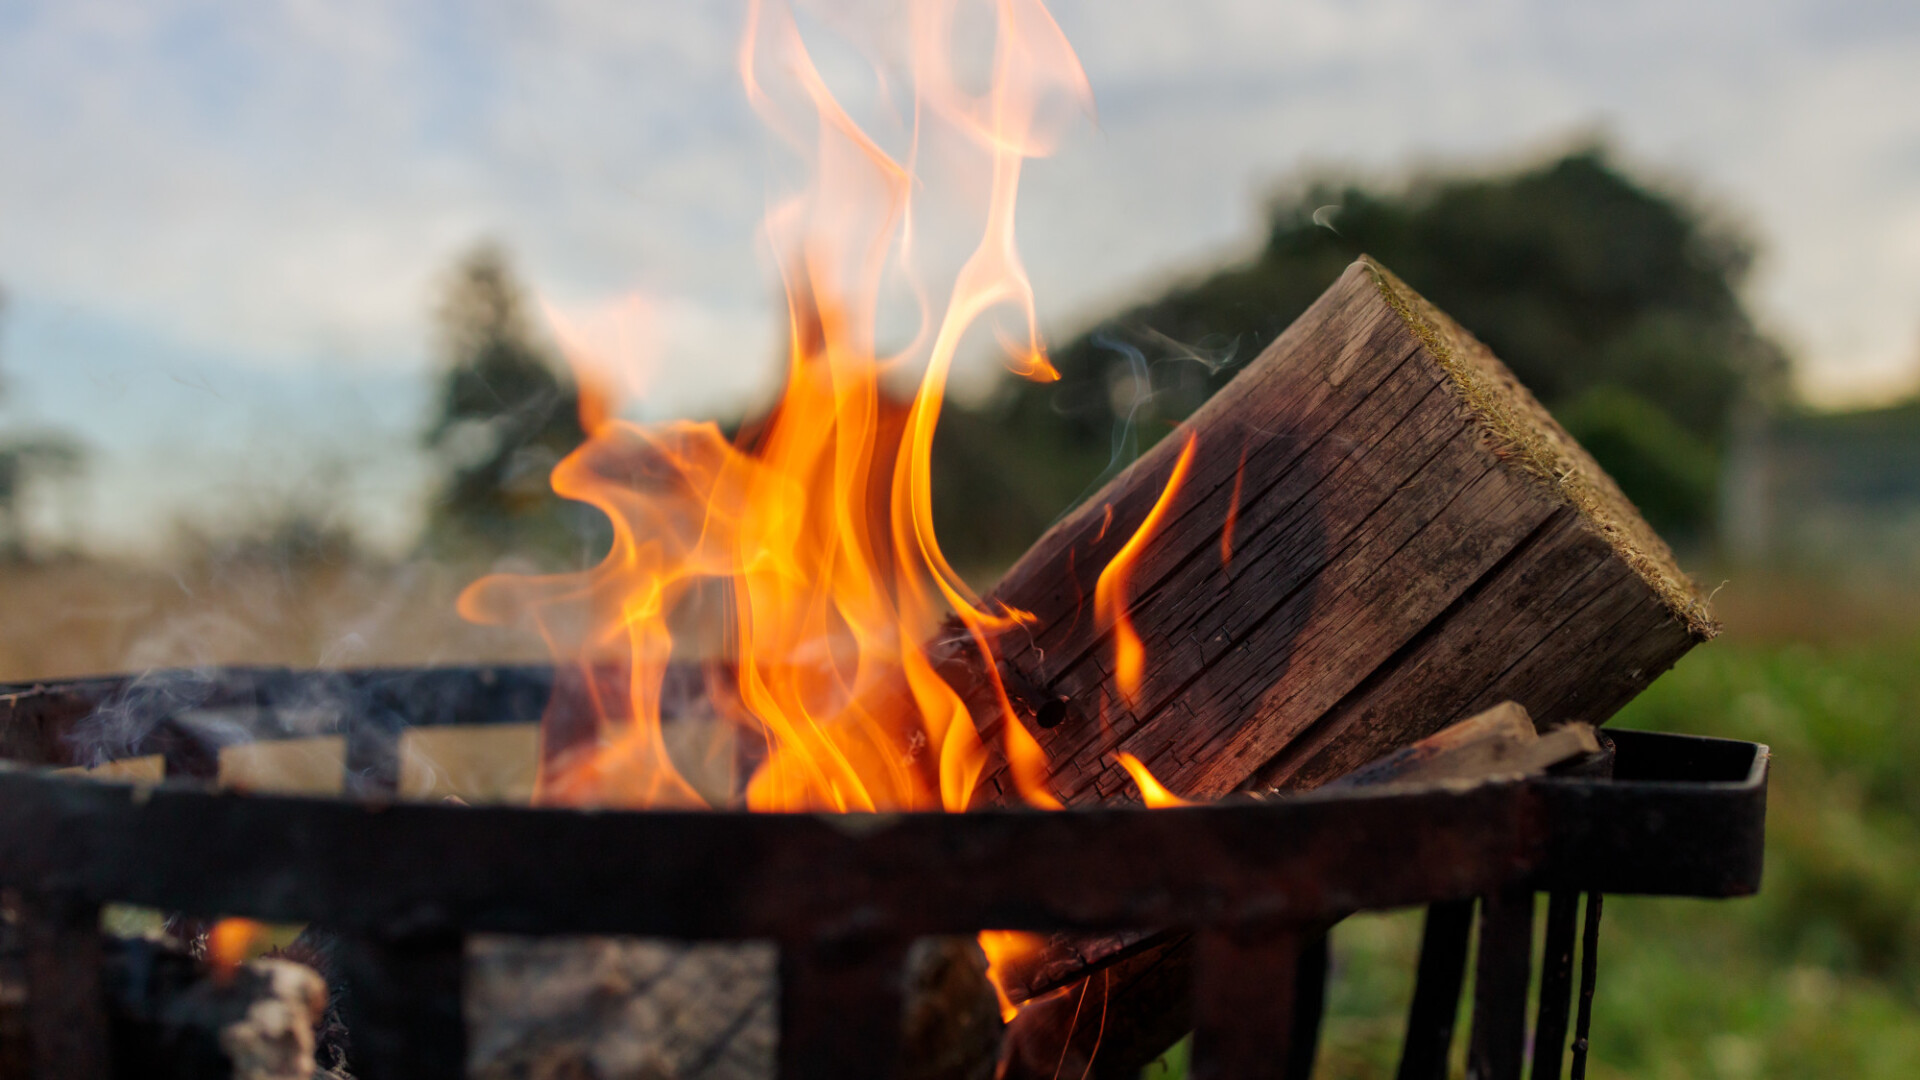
(27, 457)
(1618, 305)
(504, 415)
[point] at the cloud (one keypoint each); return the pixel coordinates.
(283, 180)
(278, 185)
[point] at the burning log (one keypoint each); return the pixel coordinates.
(1372, 532)
(169, 1015)
(1378, 532)
(1387, 534)
(1141, 990)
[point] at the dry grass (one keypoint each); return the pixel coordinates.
(87, 618)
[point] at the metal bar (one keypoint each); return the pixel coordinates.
(401, 1001)
(1589, 973)
(842, 1006)
(1620, 836)
(66, 998)
(1244, 990)
(361, 867)
(1500, 980)
(1556, 986)
(1436, 991)
(184, 755)
(370, 766)
(1309, 1005)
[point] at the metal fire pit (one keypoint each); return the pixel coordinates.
(402, 883)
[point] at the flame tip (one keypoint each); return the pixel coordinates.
(810, 531)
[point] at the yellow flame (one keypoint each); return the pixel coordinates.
(814, 532)
(1110, 589)
(811, 532)
(1152, 791)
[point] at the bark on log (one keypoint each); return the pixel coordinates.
(1382, 532)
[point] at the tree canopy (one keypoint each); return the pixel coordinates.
(1618, 304)
(26, 458)
(504, 414)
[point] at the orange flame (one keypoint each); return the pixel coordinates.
(1005, 947)
(228, 944)
(611, 350)
(1152, 791)
(814, 535)
(797, 561)
(1110, 589)
(1233, 511)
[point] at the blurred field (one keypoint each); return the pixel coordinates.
(86, 618)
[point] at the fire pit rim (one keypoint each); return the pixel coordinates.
(1685, 831)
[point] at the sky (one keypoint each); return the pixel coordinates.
(222, 225)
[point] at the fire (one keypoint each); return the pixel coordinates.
(816, 532)
(1005, 947)
(229, 942)
(1110, 590)
(811, 532)
(1233, 510)
(1152, 792)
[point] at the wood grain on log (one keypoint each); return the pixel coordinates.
(1415, 540)
(1500, 742)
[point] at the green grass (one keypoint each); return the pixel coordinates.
(1818, 976)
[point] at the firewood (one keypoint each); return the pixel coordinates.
(1381, 532)
(170, 1016)
(1499, 742)
(1144, 977)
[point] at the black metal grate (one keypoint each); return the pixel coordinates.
(403, 883)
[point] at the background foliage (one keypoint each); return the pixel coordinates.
(1618, 304)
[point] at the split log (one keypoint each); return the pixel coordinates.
(1503, 741)
(1500, 742)
(1381, 532)
(1145, 978)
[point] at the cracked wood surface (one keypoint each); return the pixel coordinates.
(1394, 567)
(1398, 563)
